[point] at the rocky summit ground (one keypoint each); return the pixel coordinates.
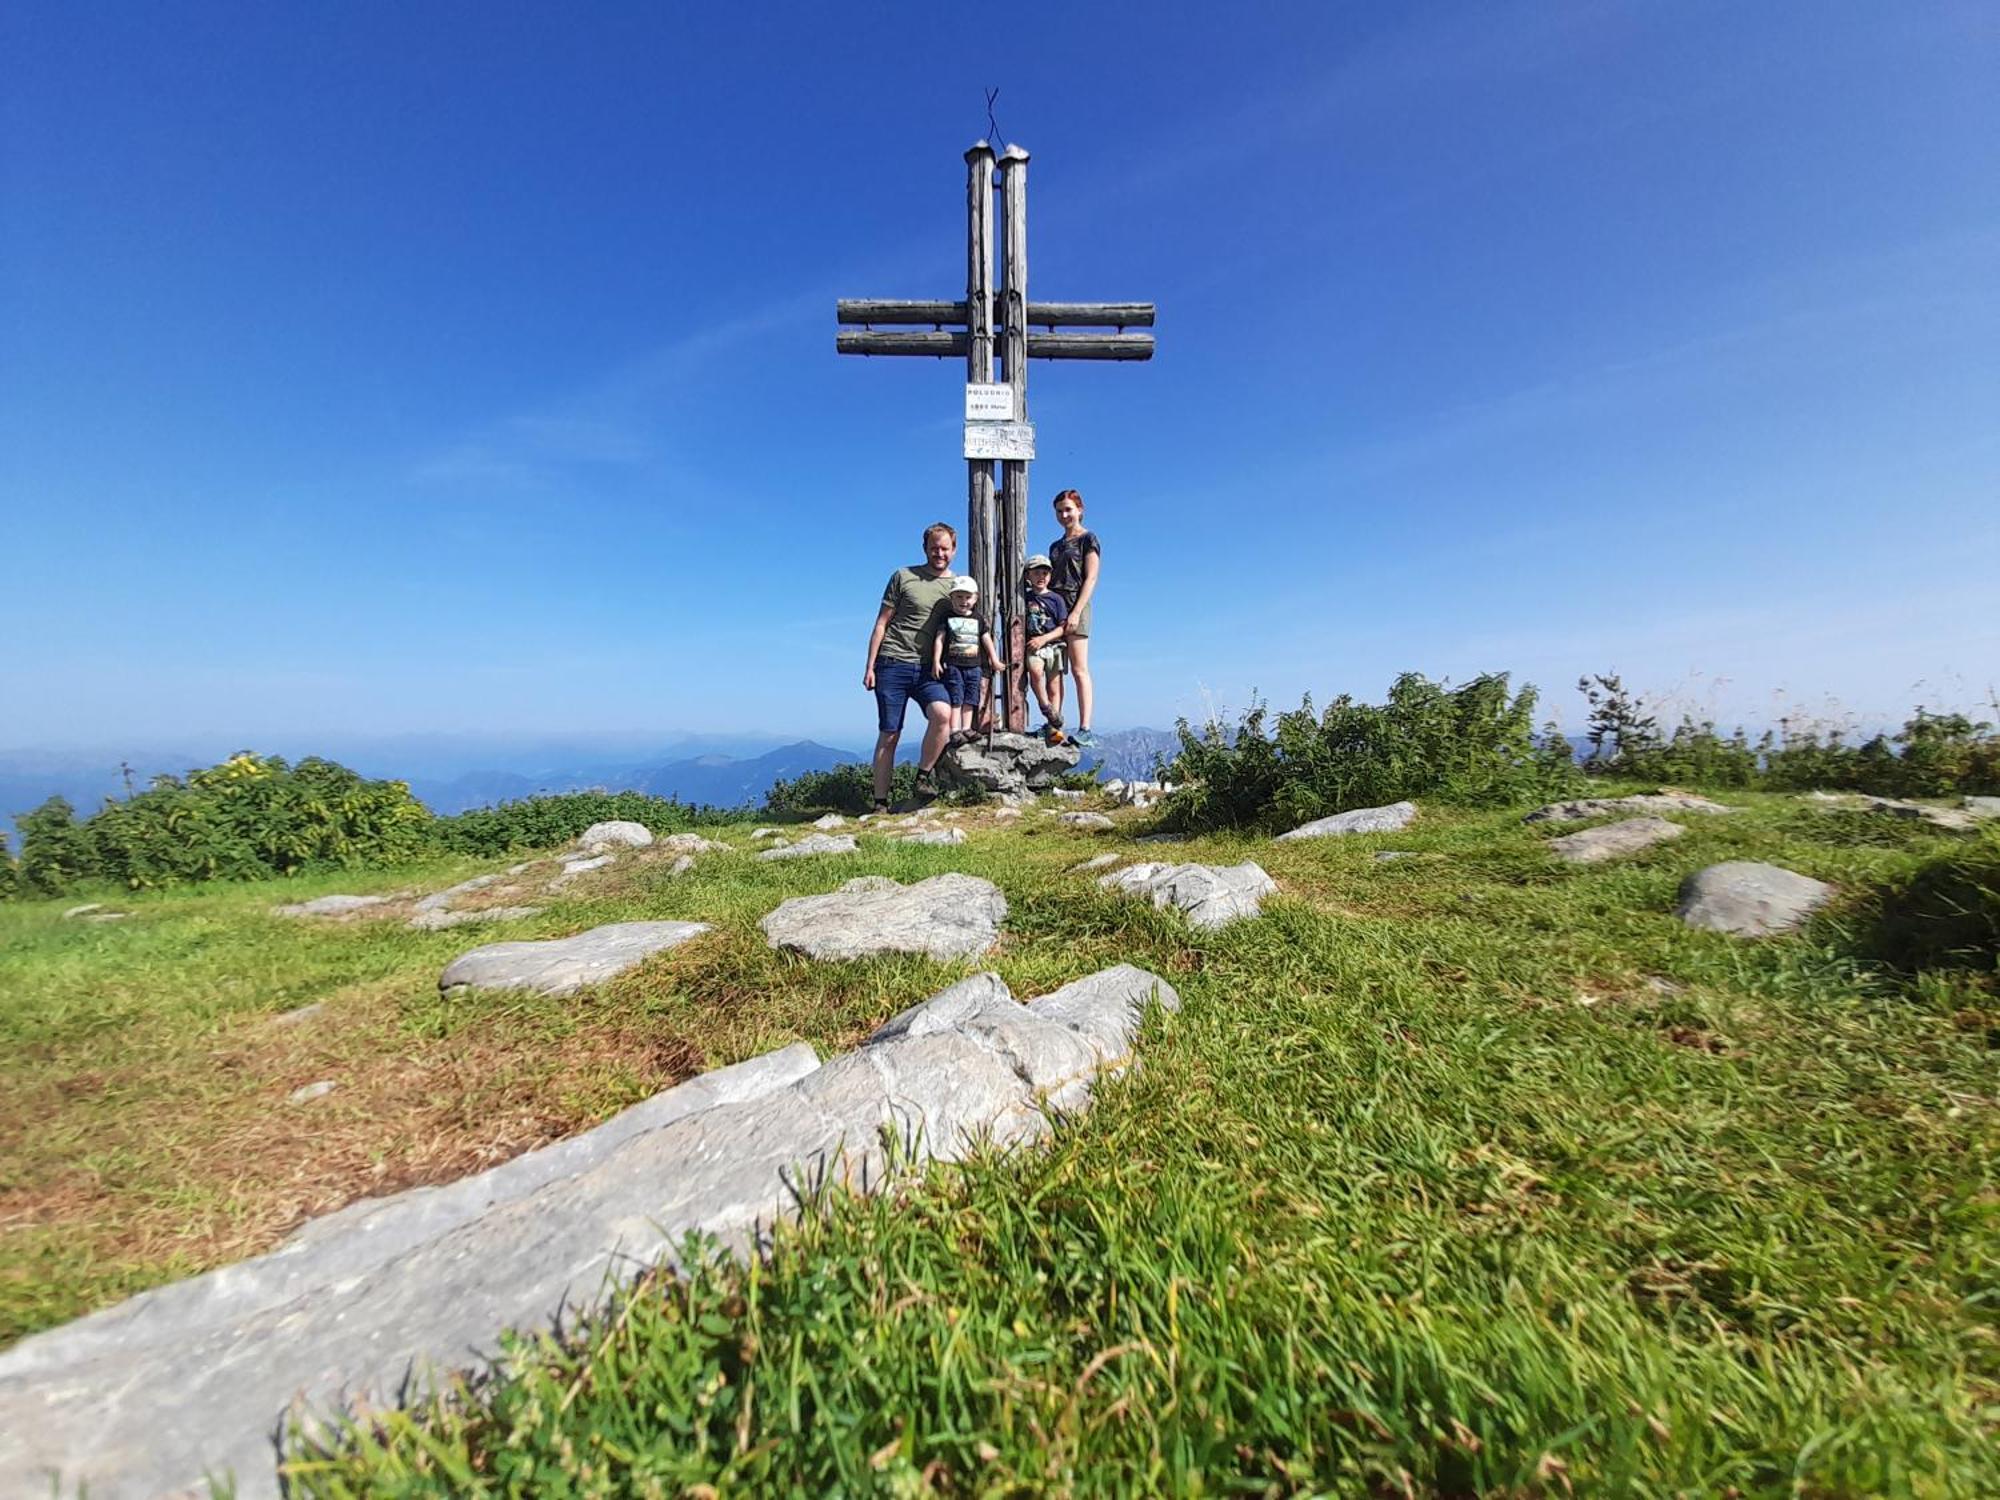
(1471, 1171)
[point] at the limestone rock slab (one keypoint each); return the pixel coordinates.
(1387, 819)
(1604, 807)
(817, 843)
(561, 966)
(946, 916)
(1089, 822)
(1594, 845)
(439, 921)
(1212, 895)
(319, 906)
(1749, 899)
(933, 836)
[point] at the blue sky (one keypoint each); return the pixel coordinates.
(470, 367)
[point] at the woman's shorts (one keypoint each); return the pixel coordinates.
(1079, 622)
(896, 683)
(965, 684)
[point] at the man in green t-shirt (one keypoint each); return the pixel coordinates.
(899, 653)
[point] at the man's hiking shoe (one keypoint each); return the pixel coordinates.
(881, 804)
(927, 788)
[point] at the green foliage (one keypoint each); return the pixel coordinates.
(1617, 724)
(1693, 755)
(1945, 915)
(848, 788)
(1473, 745)
(253, 816)
(56, 850)
(544, 822)
(10, 872)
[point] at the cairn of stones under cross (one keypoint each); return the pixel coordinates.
(987, 332)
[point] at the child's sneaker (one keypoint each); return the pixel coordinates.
(1052, 733)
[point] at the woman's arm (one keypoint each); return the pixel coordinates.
(1085, 589)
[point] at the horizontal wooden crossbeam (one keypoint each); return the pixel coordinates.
(899, 311)
(941, 343)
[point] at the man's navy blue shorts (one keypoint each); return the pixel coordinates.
(896, 683)
(966, 684)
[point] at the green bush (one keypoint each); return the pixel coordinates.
(10, 872)
(1473, 745)
(544, 822)
(848, 788)
(56, 851)
(1945, 916)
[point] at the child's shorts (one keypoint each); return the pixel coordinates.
(966, 684)
(1052, 659)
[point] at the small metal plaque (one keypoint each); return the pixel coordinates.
(989, 403)
(1000, 439)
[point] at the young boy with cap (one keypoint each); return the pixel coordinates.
(960, 652)
(1047, 613)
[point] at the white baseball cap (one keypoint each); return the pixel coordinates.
(964, 585)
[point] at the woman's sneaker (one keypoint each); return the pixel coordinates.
(1083, 739)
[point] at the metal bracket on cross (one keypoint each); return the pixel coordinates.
(996, 411)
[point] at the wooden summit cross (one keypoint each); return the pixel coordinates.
(996, 415)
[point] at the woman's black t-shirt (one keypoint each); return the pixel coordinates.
(1066, 555)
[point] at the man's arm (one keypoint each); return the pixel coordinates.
(875, 644)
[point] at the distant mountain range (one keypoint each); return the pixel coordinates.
(450, 780)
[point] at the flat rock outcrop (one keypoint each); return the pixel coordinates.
(561, 966)
(192, 1379)
(439, 921)
(1629, 836)
(1749, 899)
(1955, 819)
(1212, 895)
(1388, 819)
(946, 916)
(693, 843)
(816, 843)
(1604, 807)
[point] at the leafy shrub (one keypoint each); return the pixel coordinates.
(10, 872)
(56, 850)
(1945, 916)
(1472, 744)
(1694, 754)
(544, 822)
(848, 788)
(253, 816)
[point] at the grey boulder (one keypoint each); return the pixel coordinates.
(944, 917)
(1388, 819)
(616, 833)
(440, 900)
(1008, 765)
(1953, 819)
(1212, 895)
(1749, 899)
(1089, 822)
(561, 966)
(1594, 845)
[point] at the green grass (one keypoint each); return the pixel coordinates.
(1462, 1174)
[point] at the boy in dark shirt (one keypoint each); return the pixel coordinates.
(1047, 612)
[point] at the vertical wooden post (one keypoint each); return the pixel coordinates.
(979, 370)
(1014, 471)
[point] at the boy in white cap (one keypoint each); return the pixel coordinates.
(1047, 611)
(960, 653)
